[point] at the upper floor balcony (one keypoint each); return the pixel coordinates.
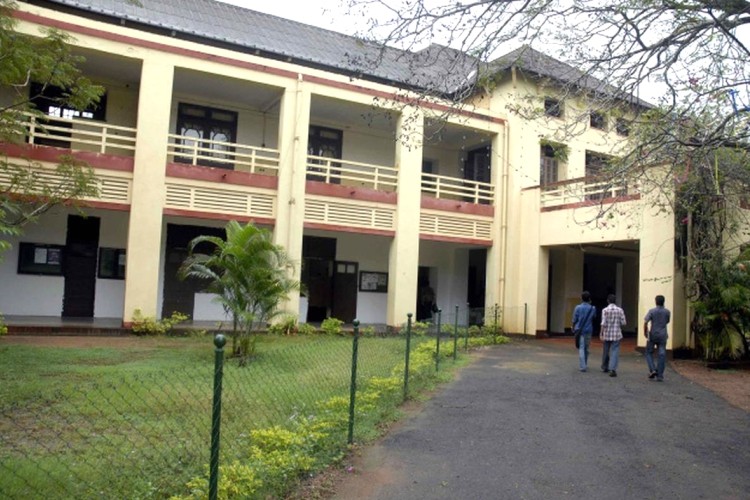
(586, 191)
(220, 124)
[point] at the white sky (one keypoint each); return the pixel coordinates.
(328, 14)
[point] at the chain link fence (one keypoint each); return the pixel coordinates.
(144, 431)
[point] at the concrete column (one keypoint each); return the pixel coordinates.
(145, 228)
(495, 253)
(527, 289)
(294, 124)
(403, 261)
(657, 271)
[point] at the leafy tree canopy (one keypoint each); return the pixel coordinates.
(47, 60)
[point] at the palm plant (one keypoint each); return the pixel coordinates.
(722, 317)
(250, 276)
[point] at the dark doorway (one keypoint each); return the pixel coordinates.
(476, 286)
(344, 304)
(426, 298)
(477, 168)
(599, 275)
(52, 101)
(325, 143)
(318, 255)
(179, 295)
(478, 165)
(81, 245)
(211, 130)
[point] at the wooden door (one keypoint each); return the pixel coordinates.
(81, 245)
(344, 303)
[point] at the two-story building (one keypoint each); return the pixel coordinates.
(213, 112)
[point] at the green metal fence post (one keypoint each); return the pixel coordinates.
(353, 386)
(408, 350)
(213, 480)
(468, 320)
(455, 335)
(437, 336)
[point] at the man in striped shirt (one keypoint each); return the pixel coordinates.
(613, 319)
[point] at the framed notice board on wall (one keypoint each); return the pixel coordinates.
(372, 281)
(39, 258)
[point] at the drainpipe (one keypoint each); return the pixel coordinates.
(504, 213)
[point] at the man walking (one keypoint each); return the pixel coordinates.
(583, 324)
(659, 317)
(613, 319)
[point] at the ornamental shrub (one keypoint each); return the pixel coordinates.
(148, 325)
(306, 329)
(287, 326)
(332, 326)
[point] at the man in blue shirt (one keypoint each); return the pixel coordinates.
(659, 317)
(583, 322)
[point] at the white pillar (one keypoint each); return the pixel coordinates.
(148, 195)
(403, 262)
(657, 270)
(294, 123)
(494, 272)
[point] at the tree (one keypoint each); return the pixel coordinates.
(250, 276)
(26, 192)
(696, 129)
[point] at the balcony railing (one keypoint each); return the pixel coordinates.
(351, 173)
(78, 134)
(584, 190)
(453, 188)
(228, 155)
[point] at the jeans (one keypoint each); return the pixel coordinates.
(583, 351)
(610, 355)
(661, 345)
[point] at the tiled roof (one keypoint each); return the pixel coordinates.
(537, 63)
(438, 68)
(252, 30)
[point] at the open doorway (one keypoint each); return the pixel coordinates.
(318, 259)
(477, 282)
(426, 298)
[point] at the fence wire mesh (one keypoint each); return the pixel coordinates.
(96, 426)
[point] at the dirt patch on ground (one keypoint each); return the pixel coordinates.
(731, 384)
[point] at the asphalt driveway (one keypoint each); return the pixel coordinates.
(523, 423)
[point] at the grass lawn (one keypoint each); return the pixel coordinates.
(134, 422)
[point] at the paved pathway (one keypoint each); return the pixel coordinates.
(523, 423)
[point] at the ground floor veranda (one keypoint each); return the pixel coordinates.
(59, 277)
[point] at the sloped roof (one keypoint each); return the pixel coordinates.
(251, 30)
(437, 68)
(535, 62)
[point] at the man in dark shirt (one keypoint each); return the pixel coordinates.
(657, 337)
(583, 319)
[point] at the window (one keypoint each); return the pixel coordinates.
(549, 165)
(595, 162)
(36, 258)
(622, 127)
(478, 164)
(553, 107)
(596, 189)
(112, 263)
(598, 120)
(326, 143)
(208, 133)
(50, 100)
